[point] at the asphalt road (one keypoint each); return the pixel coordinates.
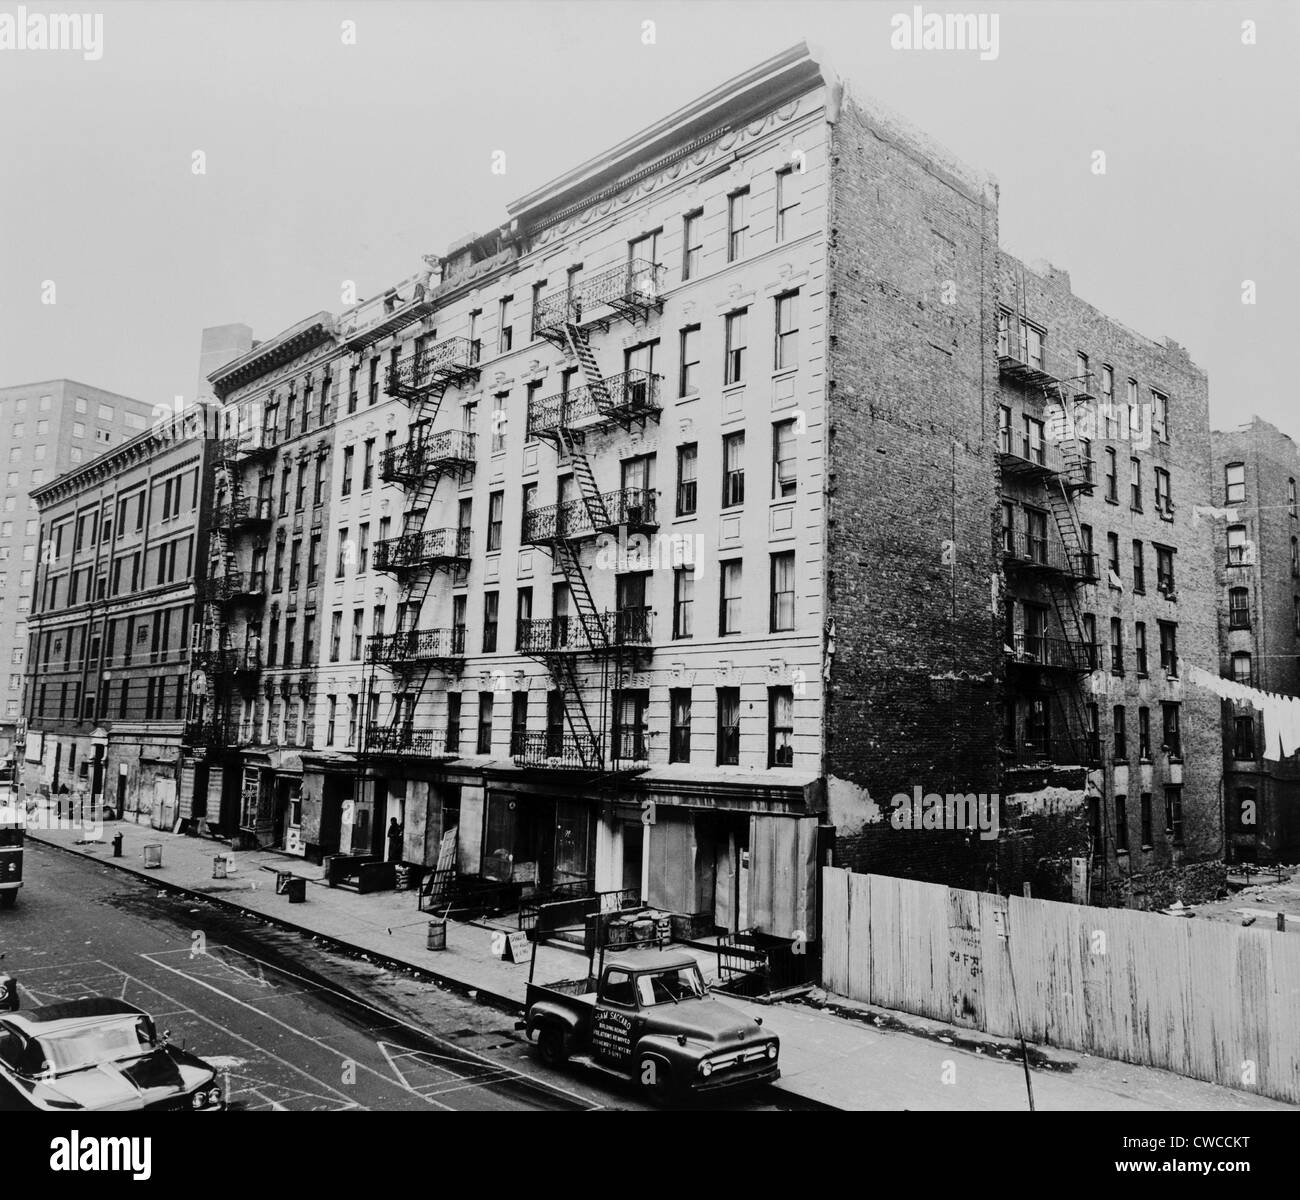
(289, 1023)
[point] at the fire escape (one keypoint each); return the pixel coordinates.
(616, 640)
(1058, 663)
(232, 662)
(412, 653)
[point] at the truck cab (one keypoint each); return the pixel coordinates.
(648, 1016)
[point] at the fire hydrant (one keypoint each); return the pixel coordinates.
(117, 845)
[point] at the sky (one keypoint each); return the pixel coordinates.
(331, 157)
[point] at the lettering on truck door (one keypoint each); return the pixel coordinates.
(611, 1027)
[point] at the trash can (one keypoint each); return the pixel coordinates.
(218, 866)
(296, 889)
(283, 880)
(401, 877)
(437, 935)
(153, 855)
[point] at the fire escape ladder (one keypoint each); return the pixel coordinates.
(564, 673)
(592, 500)
(580, 346)
(1067, 522)
(589, 616)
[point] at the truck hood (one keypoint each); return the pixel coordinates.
(704, 1021)
(162, 1075)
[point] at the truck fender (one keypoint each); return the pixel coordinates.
(680, 1060)
(545, 1012)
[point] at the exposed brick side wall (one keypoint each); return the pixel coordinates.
(911, 482)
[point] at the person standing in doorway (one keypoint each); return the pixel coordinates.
(394, 841)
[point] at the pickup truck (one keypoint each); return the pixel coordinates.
(649, 1017)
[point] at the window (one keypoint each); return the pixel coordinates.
(1290, 497)
(1116, 646)
(505, 331)
(1173, 742)
(499, 421)
(295, 562)
(1090, 640)
(1174, 813)
(353, 371)
(728, 726)
(491, 611)
(679, 738)
(1112, 557)
(733, 469)
(1140, 642)
(358, 625)
(1008, 527)
(1160, 415)
(340, 567)
(452, 744)
(336, 635)
(737, 223)
(372, 390)
(737, 342)
(780, 727)
(105, 412)
(787, 204)
(683, 602)
(1234, 483)
(1243, 739)
(1239, 608)
(367, 468)
(729, 615)
(483, 744)
(692, 244)
(1237, 545)
(787, 332)
(1033, 446)
(686, 479)
(689, 378)
(363, 546)
(1091, 733)
(308, 640)
(1139, 569)
(1121, 734)
(1146, 821)
(1165, 570)
(496, 517)
(1121, 823)
(475, 342)
(1169, 648)
(1112, 475)
(1240, 665)
(518, 722)
(1135, 484)
(784, 460)
(349, 453)
(782, 602)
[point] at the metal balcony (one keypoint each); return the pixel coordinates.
(617, 399)
(451, 450)
(630, 291)
(548, 636)
(245, 660)
(1020, 370)
(247, 445)
(629, 748)
(405, 741)
(630, 509)
(554, 751)
(1026, 553)
(1052, 653)
(236, 587)
(445, 364)
(444, 647)
(247, 512)
(428, 549)
(210, 733)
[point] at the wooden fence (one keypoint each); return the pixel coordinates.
(1203, 998)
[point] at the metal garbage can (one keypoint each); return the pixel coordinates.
(218, 866)
(437, 935)
(282, 882)
(401, 877)
(153, 855)
(296, 889)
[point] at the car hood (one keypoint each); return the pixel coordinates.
(704, 1021)
(138, 1083)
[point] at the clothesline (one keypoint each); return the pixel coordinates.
(1281, 713)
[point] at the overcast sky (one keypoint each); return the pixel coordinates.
(328, 162)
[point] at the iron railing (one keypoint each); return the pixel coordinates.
(631, 289)
(210, 733)
(569, 752)
(246, 510)
(416, 645)
(631, 508)
(575, 635)
(405, 740)
(1045, 650)
(234, 585)
(230, 661)
(440, 365)
(1046, 553)
(427, 548)
(625, 396)
(451, 449)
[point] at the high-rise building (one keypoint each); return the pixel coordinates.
(49, 427)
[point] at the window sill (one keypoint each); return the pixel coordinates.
(735, 386)
(1110, 501)
(783, 372)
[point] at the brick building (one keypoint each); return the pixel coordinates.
(108, 640)
(1252, 511)
(50, 427)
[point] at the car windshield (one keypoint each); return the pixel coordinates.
(683, 983)
(109, 1041)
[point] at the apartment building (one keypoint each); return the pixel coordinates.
(50, 427)
(1104, 454)
(107, 680)
(1252, 513)
(258, 636)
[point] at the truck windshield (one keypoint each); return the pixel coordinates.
(667, 987)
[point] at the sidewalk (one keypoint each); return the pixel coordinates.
(834, 1051)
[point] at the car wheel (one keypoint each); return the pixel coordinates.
(8, 899)
(550, 1045)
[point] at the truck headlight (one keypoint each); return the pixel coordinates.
(214, 1096)
(199, 1099)
(771, 1050)
(706, 1068)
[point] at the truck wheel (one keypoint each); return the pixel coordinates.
(550, 1045)
(8, 899)
(657, 1081)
